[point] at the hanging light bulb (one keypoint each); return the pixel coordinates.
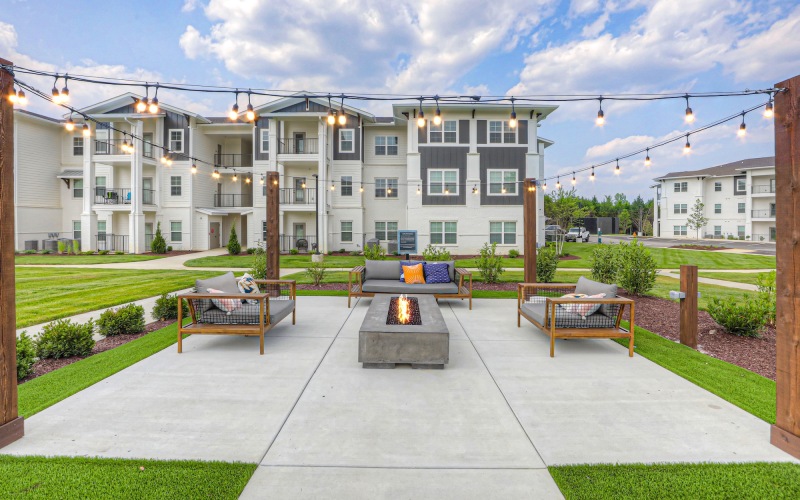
(12, 95)
(446, 190)
(215, 174)
(65, 91)
(69, 125)
(591, 177)
(87, 132)
(141, 105)
(689, 118)
(235, 177)
(247, 180)
(331, 117)
(194, 168)
(261, 180)
(687, 148)
(419, 190)
(437, 117)
(545, 185)
(742, 128)
(342, 115)
(768, 111)
(647, 161)
(574, 180)
(361, 189)
(616, 170)
(558, 183)
(420, 115)
(333, 186)
(56, 93)
(503, 189)
(474, 189)
(124, 146)
(164, 159)
(274, 182)
(22, 100)
(234, 112)
(153, 107)
(601, 117)
(512, 122)
(169, 162)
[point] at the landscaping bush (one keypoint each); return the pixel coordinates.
(766, 292)
(546, 264)
(76, 247)
(489, 264)
(374, 252)
(604, 263)
(169, 248)
(234, 248)
(26, 355)
(88, 252)
(355, 253)
(159, 245)
(103, 252)
(259, 269)
(62, 246)
(744, 318)
(432, 253)
(636, 268)
(294, 251)
(29, 252)
(119, 252)
(316, 272)
(46, 251)
(121, 321)
(63, 338)
(251, 251)
(167, 307)
(342, 250)
(513, 253)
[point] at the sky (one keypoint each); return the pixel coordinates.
(501, 47)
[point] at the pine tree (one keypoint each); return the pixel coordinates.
(697, 219)
(159, 245)
(234, 248)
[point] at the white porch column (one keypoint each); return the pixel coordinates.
(88, 216)
(136, 224)
(322, 172)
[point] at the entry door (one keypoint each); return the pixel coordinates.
(148, 235)
(299, 231)
(147, 191)
(299, 190)
(213, 235)
(300, 142)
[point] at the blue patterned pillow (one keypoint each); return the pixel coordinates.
(408, 263)
(437, 273)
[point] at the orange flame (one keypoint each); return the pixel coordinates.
(403, 310)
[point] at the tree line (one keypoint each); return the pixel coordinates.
(563, 207)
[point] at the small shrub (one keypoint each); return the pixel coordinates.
(294, 251)
(158, 245)
(76, 247)
(62, 246)
(604, 263)
(251, 251)
(63, 338)
(546, 264)
(513, 253)
(489, 264)
(259, 269)
(355, 253)
(26, 355)
(766, 292)
(88, 252)
(374, 252)
(167, 307)
(46, 251)
(169, 248)
(316, 272)
(29, 252)
(432, 253)
(744, 318)
(119, 252)
(103, 252)
(342, 250)
(234, 248)
(121, 321)
(637, 270)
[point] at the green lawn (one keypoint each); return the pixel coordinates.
(71, 260)
(63, 477)
(749, 278)
(287, 261)
(678, 481)
(45, 294)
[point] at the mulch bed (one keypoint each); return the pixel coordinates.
(44, 366)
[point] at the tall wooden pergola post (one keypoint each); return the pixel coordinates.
(530, 229)
(11, 424)
(273, 227)
(786, 431)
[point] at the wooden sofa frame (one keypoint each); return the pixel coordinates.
(263, 326)
(355, 283)
(615, 332)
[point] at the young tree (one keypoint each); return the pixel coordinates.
(563, 208)
(624, 221)
(158, 245)
(697, 219)
(234, 248)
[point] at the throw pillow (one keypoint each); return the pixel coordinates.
(407, 263)
(227, 305)
(583, 309)
(247, 284)
(414, 275)
(437, 272)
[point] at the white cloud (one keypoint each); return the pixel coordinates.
(583, 7)
(597, 26)
(190, 5)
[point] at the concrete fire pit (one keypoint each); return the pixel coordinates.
(381, 345)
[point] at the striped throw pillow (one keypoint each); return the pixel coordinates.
(414, 275)
(227, 305)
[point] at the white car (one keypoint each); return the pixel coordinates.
(576, 233)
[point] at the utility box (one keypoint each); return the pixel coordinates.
(31, 244)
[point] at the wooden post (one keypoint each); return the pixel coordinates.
(273, 227)
(689, 306)
(530, 229)
(11, 425)
(786, 431)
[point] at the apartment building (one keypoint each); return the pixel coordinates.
(457, 184)
(738, 198)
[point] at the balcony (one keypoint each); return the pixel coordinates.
(113, 147)
(307, 146)
(233, 160)
(303, 244)
(121, 196)
(763, 189)
(292, 196)
(111, 242)
(763, 214)
(232, 200)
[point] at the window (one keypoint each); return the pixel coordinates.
(503, 233)
(718, 208)
(148, 144)
(502, 182)
(265, 140)
(679, 230)
(386, 145)
(681, 208)
(442, 182)
(741, 208)
(346, 140)
(772, 210)
(740, 231)
(263, 230)
(681, 187)
(386, 231)
(444, 233)
(77, 146)
(176, 140)
(717, 231)
(385, 187)
(176, 231)
(741, 185)
(100, 186)
(772, 234)
(76, 230)
(347, 185)
(500, 132)
(77, 188)
(718, 186)
(446, 132)
(347, 231)
(175, 185)
(101, 142)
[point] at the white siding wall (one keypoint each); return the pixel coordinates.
(369, 145)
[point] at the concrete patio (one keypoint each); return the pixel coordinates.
(320, 425)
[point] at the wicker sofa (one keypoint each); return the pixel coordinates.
(276, 300)
(383, 276)
(544, 305)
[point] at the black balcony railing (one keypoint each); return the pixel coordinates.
(233, 200)
(233, 160)
(298, 196)
(114, 147)
(763, 214)
(307, 146)
(111, 242)
(763, 189)
(121, 196)
(301, 243)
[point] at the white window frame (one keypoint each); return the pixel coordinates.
(717, 230)
(504, 232)
(680, 208)
(386, 232)
(76, 233)
(77, 143)
(744, 185)
(263, 230)
(387, 183)
(505, 130)
(717, 186)
(444, 182)
(264, 139)
(347, 185)
(741, 231)
(679, 231)
(172, 185)
(443, 234)
(352, 140)
(741, 208)
(342, 231)
(681, 187)
(77, 192)
(172, 231)
(442, 129)
(511, 187)
(717, 208)
(382, 145)
(172, 148)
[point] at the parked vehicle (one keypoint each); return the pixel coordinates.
(576, 233)
(553, 233)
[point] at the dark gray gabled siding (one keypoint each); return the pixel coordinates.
(300, 107)
(124, 110)
(501, 158)
(463, 131)
(482, 132)
(352, 123)
(422, 133)
(261, 123)
(177, 121)
(444, 157)
(522, 133)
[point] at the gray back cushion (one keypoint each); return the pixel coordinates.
(451, 266)
(382, 270)
(226, 283)
(590, 287)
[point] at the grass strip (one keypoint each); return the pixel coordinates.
(756, 480)
(747, 278)
(49, 389)
(72, 260)
(65, 477)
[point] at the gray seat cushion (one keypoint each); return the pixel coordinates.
(565, 319)
(226, 283)
(247, 314)
(382, 270)
(394, 286)
(590, 287)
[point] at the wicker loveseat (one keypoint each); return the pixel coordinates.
(383, 276)
(256, 315)
(544, 305)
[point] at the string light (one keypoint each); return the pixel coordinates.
(574, 180)
(647, 161)
(164, 159)
(503, 189)
(333, 187)
(247, 180)
(601, 117)
(361, 189)
(446, 190)
(251, 113)
(389, 191)
(65, 91)
(420, 115)
(687, 148)
(234, 112)
(512, 122)
(591, 177)
(545, 185)
(331, 116)
(261, 180)
(274, 182)
(437, 117)
(235, 177)
(169, 162)
(69, 125)
(742, 128)
(616, 170)
(21, 99)
(558, 183)
(56, 92)
(141, 104)
(689, 118)
(194, 168)
(87, 132)
(768, 111)
(419, 191)
(153, 107)
(215, 174)
(474, 189)
(342, 115)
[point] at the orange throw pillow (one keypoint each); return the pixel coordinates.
(414, 275)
